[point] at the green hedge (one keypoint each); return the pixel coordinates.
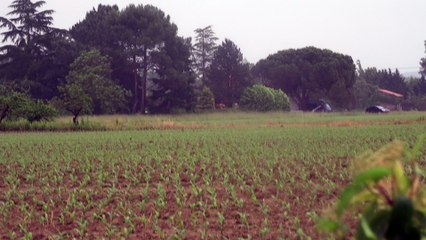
(261, 98)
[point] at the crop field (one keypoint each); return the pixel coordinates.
(205, 177)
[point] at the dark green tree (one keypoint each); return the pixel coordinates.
(310, 74)
(135, 38)
(228, 74)
(204, 48)
(419, 86)
(144, 31)
(173, 81)
(27, 29)
(101, 29)
(75, 100)
(12, 105)
(38, 110)
(386, 79)
(30, 56)
(15, 105)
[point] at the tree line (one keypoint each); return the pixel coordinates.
(132, 60)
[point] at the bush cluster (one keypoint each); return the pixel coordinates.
(415, 103)
(205, 100)
(16, 105)
(261, 98)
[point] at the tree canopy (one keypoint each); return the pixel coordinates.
(385, 78)
(310, 74)
(144, 48)
(173, 79)
(89, 86)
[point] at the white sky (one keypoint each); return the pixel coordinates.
(380, 33)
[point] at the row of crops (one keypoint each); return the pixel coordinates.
(261, 183)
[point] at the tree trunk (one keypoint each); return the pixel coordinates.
(4, 113)
(75, 118)
(136, 85)
(144, 79)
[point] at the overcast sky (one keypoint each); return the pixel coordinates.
(380, 33)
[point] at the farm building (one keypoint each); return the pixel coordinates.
(389, 99)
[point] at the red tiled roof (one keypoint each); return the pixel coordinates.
(390, 92)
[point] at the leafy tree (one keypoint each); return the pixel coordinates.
(12, 105)
(261, 98)
(37, 111)
(74, 99)
(32, 48)
(204, 48)
(172, 88)
(15, 105)
(101, 29)
(140, 40)
(89, 86)
(92, 71)
(228, 74)
(310, 74)
(419, 86)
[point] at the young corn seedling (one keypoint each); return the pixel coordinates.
(82, 227)
(161, 197)
(221, 219)
(244, 220)
(265, 228)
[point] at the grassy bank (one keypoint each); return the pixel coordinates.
(215, 120)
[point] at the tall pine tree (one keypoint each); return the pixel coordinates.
(228, 74)
(31, 44)
(204, 48)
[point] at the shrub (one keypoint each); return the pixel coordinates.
(261, 98)
(205, 100)
(13, 105)
(415, 103)
(177, 110)
(16, 105)
(281, 100)
(39, 111)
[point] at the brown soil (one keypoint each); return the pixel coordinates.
(101, 210)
